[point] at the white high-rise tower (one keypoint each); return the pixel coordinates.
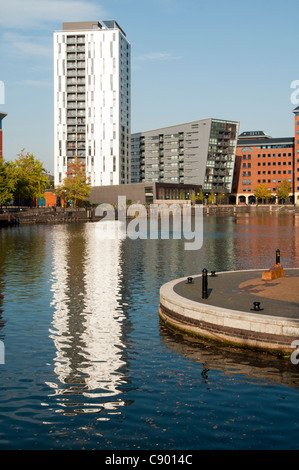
(92, 101)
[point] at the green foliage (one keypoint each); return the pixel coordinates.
(75, 186)
(23, 178)
(31, 177)
(8, 181)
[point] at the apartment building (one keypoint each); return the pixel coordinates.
(197, 153)
(92, 101)
(2, 116)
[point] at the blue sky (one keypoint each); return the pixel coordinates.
(191, 59)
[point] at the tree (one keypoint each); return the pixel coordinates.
(75, 186)
(200, 196)
(263, 192)
(8, 181)
(283, 190)
(211, 198)
(220, 197)
(32, 179)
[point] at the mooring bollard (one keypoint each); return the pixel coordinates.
(213, 273)
(277, 256)
(189, 280)
(205, 283)
(256, 307)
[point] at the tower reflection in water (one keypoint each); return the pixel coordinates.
(87, 325)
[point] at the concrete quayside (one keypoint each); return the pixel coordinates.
(240, 308)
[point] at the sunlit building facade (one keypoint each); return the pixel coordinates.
(92, 115)
(199, 152)
(261, 159)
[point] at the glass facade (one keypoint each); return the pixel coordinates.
(221, 156)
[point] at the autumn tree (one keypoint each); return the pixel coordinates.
(200, 196)
(283, 190)
(211, 198)
(75, 186)
(220, 197)
(263, 192)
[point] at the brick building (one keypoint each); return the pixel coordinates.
(263, 159)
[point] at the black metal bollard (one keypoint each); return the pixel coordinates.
(213, 273)
(256, 307)
(205, 283)
(277, 256)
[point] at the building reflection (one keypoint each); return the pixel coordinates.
(259, 236)
(88, 321)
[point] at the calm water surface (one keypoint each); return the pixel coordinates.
(88, 365)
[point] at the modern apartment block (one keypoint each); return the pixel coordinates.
(199, 153)
(92, 101)
(2, 116)
(261, 159)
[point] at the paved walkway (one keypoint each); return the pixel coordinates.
(238, 290)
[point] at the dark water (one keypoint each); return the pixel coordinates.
(88, 366)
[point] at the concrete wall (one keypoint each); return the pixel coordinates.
(109, 194)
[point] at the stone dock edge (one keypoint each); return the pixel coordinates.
(231, 327)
